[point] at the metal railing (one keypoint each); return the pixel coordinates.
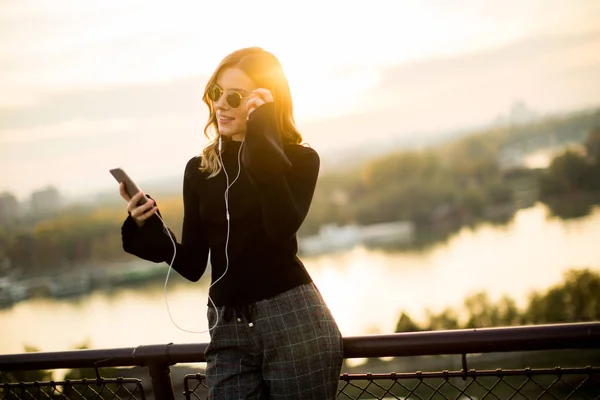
(102, 388)
(580, 382)
(555, 383)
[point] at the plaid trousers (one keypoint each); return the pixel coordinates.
(285, 347)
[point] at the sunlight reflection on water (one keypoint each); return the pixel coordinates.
(365, 289)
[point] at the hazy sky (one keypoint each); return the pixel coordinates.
(87, 86)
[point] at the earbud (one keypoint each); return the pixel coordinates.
(220, 143)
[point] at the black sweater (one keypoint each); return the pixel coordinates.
(267, 205)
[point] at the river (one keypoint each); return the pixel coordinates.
(366, 289)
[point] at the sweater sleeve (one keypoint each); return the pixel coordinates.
(151, 241)
(285, 187)
(192, 253)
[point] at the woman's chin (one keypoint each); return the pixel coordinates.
(228, 132)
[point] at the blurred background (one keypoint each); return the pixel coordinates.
(460, 149)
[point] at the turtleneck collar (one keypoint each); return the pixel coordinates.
(231, 145)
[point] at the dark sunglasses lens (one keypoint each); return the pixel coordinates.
(214, 93)
(234, 100)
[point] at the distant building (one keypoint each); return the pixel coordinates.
(9, 208)
(45, 201)
(518, 114)
(332, 238)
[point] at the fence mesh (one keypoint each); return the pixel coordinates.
(81, 389)
(523, 384)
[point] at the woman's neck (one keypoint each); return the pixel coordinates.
(239, 137)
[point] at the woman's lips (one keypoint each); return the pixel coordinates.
(225, 120)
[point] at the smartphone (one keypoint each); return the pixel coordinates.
(130, 187)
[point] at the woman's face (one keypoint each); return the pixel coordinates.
(234, 88)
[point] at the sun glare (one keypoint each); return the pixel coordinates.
(322, 92)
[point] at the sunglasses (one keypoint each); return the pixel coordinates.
(233, 98)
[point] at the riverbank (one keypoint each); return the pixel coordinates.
(78, 280)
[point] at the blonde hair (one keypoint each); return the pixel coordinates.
(266, 72)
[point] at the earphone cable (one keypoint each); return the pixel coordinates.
(226, 243)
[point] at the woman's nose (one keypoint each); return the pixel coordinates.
(221, 104)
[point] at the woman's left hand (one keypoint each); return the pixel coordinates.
(257, 98)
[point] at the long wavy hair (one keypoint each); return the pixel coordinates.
(266, 72)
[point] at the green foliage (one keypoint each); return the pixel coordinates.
(576, 299)
(573, 173)
(482, 313)
(569, 173)
(26, 376)
(459, 179)
(73, 374)
(447, 319)
(406, 324)
(592, 143)
(73, 238)
(458, 182)
(451, 185)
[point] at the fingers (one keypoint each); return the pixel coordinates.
(258, 98)
(123, 192)
(263, 94)
(141, 212)
(145, 215)
(132, 205)
(253, 104)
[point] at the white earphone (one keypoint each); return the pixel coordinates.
(220, 145)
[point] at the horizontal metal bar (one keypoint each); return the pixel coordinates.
(168, 354)
(469, 341)
(464, 341)
(73, 382)
(69, 359)
(500, 373)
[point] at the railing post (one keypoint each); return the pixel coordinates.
(162, 386)
(158, 361)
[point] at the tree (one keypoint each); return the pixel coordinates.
(592, 144)
(27, 376)
(445, 320)
(568, 173)
(577, 299)
(406, 324)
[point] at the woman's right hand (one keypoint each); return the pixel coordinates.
(139, 213)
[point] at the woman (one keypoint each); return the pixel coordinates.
(272, 335)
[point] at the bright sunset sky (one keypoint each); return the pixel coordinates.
(88, 86)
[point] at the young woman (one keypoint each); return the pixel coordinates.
(244, 199)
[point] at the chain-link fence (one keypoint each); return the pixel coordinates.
(515, 384)
(523, 384)
(194, 387)
(81, 389)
